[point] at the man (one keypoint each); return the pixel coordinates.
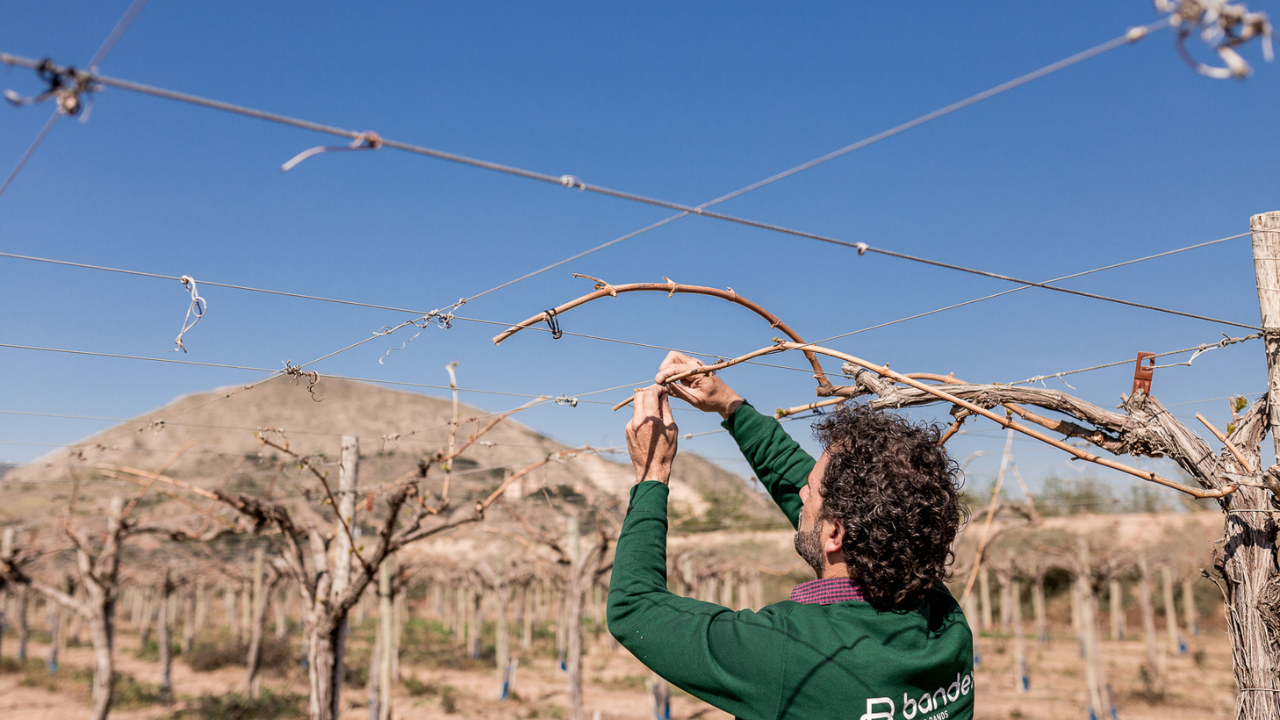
(875, 637)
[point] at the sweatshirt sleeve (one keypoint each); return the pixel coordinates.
(778, 460)
(732, 660)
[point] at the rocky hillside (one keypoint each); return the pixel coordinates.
(394, 428)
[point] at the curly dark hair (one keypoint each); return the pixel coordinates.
(896, 490)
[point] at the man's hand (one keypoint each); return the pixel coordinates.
(708, 393)
(651, 435)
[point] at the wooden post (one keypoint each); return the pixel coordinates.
(385, 630)
(1116, 592)
(190, 603)
(1171, 613)
(145, 618)
(476, 625)
(502, 633)
(229, 604)
(257, 623)
(984, 598)
(1037, 601)
(1249, 563)
(1189, 608)
(283, 597)
(20, 614)
(55, 613)
(1019, 646)
(1152, 674)
(1100, 691)
(460, 605)
(526, 616)
(348, 487)
(1006, 605)
(165, 638)
(202, 603)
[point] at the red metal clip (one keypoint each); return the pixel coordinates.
(1142, 373)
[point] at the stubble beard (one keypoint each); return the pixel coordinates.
(809, 548)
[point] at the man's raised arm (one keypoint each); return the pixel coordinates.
(731, 660)
(778, 460)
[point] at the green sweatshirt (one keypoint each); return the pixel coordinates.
(788, 660)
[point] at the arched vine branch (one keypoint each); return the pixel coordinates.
(604, 289)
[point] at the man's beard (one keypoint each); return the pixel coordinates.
(809, 547)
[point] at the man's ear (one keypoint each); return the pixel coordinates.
(833, 536)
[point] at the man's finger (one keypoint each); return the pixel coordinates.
(667, 371)
(679, 391)
(646, 404)
(664, 406)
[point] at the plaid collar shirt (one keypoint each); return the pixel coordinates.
(828, 591)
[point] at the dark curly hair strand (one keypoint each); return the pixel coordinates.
(896, 490)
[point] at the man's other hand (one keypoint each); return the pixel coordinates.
(651, 435)
(708, 392)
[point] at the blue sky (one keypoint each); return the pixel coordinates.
(1119, 157)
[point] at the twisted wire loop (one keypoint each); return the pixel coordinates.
(195, 311)
(64, 85)
(554, 324)
(442, 319)
(566, 400)
(296, 373)
(1200, 349)
(367, 140)
(1222, 25)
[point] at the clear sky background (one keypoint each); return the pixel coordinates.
(1122, 156)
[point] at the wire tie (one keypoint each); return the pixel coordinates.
(65, 84)
(195, 310)
(367, 140)
(554, 324)
(312, 377)
(862, 248)
(570, 181)
(566, 400)
(671, 285)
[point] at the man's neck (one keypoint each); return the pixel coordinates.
(836, 570)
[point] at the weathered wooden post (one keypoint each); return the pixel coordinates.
(146, 618)
(1020, 649)
(386, 627)
(984, 598)
(1095, 672)
(348, 487)
(1189, 608)
(1248, 556)
(202, 602)
(261, 589)
(165, 638)
(282, 602)
(476, 624)
(461, 603)
(1116, 592)
(1171, 613)
(190, 602)
(526, 616)
(1151, 669)
(229, 604)
(502, 633)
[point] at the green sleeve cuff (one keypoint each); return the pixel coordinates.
(744, 423)
(649, 498)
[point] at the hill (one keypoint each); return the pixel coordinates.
(395, 429)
